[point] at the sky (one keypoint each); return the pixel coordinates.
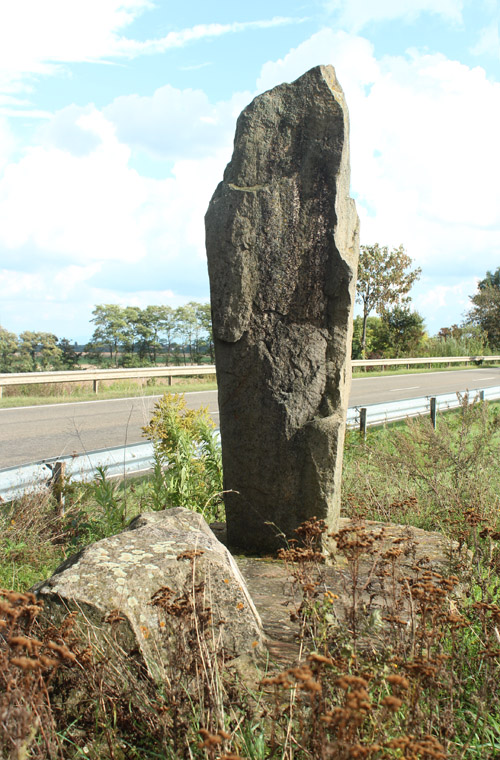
(117, 119)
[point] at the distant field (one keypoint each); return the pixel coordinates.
(58, 393)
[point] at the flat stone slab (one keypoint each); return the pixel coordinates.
(275, 595)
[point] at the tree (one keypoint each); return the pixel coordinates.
(8, 348)
(204, 317)
(151, 325)
(168, 327)
(384, 279)
(69, 357)
(111, 328)
(187, 326)
(39, 348)
(486, 310)
(405, 331)
(466, 340)
(375, 338)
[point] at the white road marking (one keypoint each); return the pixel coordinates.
(97, 401)
(409, 388)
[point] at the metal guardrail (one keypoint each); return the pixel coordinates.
(138, 457)
(95, 375)
(430, 360)
(119, 460)
(393, 411)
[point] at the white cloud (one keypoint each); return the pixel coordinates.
(39, 38)
(488, 42)
(95, 230)
(423, 135)
(173, 123)
(71, 278)
(443, 304)
(439, 297)
(79, 208)
(68, 130)
(7, 143)
(35, 37)
(183, 37)
(13, 283)
(353, 53)
(354, 15)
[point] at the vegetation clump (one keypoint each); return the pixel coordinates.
(400, 660)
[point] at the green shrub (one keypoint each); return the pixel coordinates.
(188, 460)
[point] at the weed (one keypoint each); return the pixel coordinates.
(187, 456)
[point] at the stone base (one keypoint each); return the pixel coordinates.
(271, 586)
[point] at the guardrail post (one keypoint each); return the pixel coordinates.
(433, 411)
(169, 380)
(96, 386)
(1, 391)
(362, 422)
(57, 482)
(481, 395)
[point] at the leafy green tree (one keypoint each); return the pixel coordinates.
(204, 317)
(405, 331)
(8, 350)
(39, 349)
(150, 329)
(69, 357)
(111, 328)
(486, 307)
(168, 327)
(375, 338)
(187, 326)
(131, 333)
(384, 280)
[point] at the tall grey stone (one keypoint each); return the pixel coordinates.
(282, 245)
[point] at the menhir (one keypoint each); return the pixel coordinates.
(282, 244)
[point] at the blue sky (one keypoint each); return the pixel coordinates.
(117, 119)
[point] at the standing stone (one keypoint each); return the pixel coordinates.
(282, 246)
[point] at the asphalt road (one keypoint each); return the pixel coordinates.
(29, 434)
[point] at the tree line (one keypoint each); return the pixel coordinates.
(35, 351)
(129, 336)
(123, 336)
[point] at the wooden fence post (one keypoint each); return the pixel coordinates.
(362, 422)
(433, 411)
(57, 483)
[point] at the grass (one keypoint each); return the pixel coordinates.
(414, 678)
(409, 473)
(74, 392)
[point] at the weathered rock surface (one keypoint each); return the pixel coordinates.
(282, 247)
(275, 594)
(116, 578)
